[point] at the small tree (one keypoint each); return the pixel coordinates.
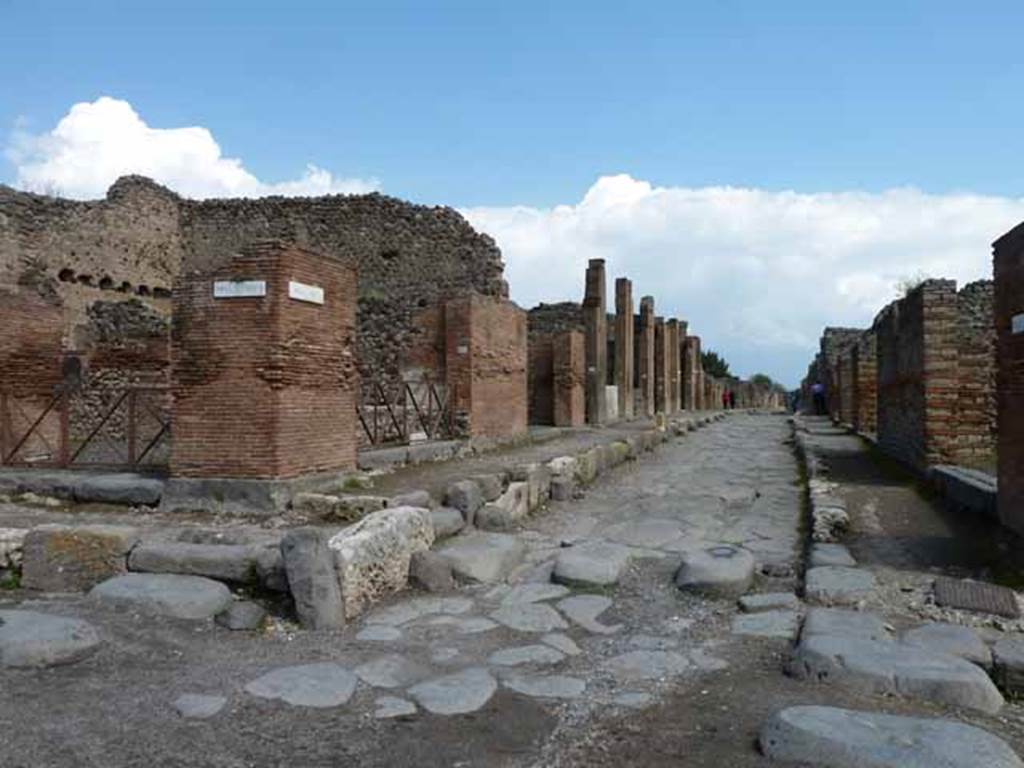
(762, 380)
(714, 365)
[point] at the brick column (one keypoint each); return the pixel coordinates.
(596, 342)
(672, 342)
(1009, 319)
(865, 393)
(624, 346)
(660, 366)
(645, 358)
(691, 374)
(263, 360)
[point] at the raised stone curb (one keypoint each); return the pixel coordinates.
(842, 738)
(823, 553)
(954, 639)
(180, 597)
(64, 558)
(836, 585)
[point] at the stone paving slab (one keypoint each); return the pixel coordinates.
(483, 557)
(308, 685)
(769, 624)
(768, 601)
(717, 571)
(199, 706)
(840, 738)
(596, 564)
(954, 639)
(844, 623)
(464, 691)
(823, 553)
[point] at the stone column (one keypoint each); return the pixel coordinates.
(672, 341)
(691, 374)
(645, 359)
(660, 366)
(624, 346)
(596, 342)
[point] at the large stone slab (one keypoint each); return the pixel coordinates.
(647, 665)
(308, 685)
(119, 488)
(593, 563)
(372, 556)
(464, 691)
(954, 639)
(843, 738)
(312, 578)
(391, 671)
(483, 557)
(31, 639)
(769, 624)
(836, 585)
(506, 511)
(718, 571)
(180, 597)
(871, 666)
(539, 655)
(545, 686)
(64, 558)
(769, 601)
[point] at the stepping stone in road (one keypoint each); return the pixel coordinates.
(954, 639)
(768, 601)
(891, 668)
(772, 624)
(584, 610)
(31, 639)
(465, 691)
(831, 554)
(843, 738)
(719, 571)
(534, 593)
(197, 706)
(835, 585)
(392, 706)
(595, 563)
(391, 671)
(309, 685)
(530, 617)
(647, 665)
(545, 686)
(843, 623)
(525, 654)
(165, 594)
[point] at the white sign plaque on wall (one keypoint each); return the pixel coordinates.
(239, 289)
(1017, 323)
(314, 294)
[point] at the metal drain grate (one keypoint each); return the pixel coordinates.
(976, 596)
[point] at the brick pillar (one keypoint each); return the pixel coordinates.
(485, 364)
(263, 360)
(691, 374)
(624, 346)
(660, 366)
(568, 367)
(596, 342)
(645, 358)
(1009, 319)
(672, 342)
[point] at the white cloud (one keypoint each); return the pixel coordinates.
(96, 142)
(758, 274)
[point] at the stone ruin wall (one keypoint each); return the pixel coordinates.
(549, 340)
(135, 241)
(833, 343)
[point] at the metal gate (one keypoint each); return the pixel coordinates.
(416, 408)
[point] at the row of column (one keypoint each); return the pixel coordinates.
(656, 365)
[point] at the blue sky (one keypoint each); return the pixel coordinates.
(488, 106)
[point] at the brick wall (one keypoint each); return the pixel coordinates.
(486, 356)
(864, 372)
(265, 387)
(917, 375)
(833, 342)
(1009, 304)
(847, 385)
(540, 379)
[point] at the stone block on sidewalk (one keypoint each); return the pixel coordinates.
(313, 578)
(718, 571)
(506, 511)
